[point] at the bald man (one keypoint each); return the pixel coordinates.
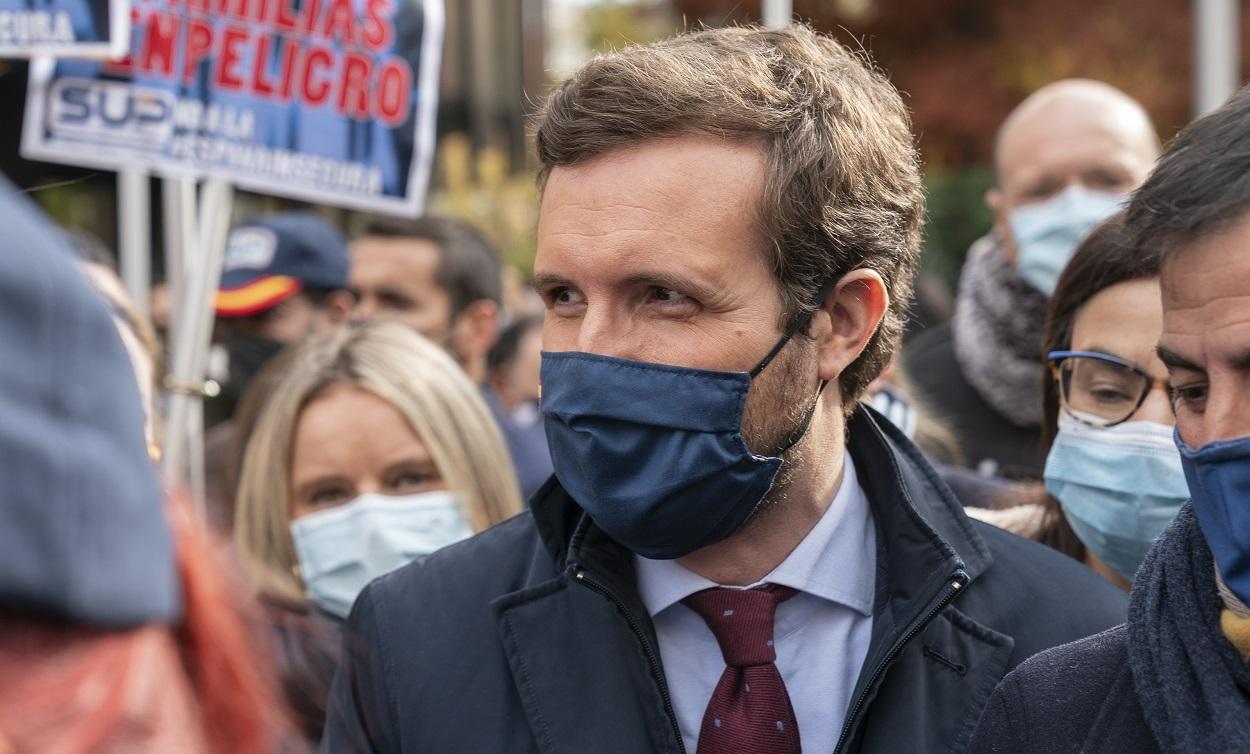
(1064, 160)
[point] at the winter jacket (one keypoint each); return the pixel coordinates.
(531, 637)
(1100, 711)
(989, 442)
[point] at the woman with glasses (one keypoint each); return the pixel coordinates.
(1113, 478)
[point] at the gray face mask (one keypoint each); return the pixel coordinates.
(343, 548)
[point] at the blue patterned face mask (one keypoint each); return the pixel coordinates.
(1119, 487)
(1047, 233)
(342, 549)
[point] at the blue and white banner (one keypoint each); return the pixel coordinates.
(329, 101)
(79, 28)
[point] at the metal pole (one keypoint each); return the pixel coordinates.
(776, 14)
(178, 205)
(183, 458)
(134, 225)
(1217, 53)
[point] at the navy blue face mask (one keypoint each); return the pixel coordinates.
(1219, 485)
(654, 453)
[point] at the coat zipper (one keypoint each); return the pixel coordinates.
(657, 670)
(958, 581)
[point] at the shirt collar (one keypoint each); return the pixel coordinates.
(836, 561)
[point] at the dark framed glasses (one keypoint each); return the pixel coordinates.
(1099, 389)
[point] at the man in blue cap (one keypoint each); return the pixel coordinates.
(285, 277)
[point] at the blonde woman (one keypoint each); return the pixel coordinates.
(373, 449)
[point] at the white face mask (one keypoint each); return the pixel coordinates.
(343, 548)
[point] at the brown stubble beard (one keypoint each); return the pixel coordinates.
(779, 399)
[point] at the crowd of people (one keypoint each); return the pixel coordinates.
(707, 488)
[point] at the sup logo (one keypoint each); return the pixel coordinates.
(111, 112)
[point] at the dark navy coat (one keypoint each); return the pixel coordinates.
(1045, 708)
(531, 637)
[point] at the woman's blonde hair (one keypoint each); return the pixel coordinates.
(418, 379)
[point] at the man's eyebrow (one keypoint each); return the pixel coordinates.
(1174, 360)
(702, 291)
(544, 280)
(679, 283)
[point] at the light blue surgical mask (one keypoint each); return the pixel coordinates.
(342, 549)
(1047, 232)
(1119, 486)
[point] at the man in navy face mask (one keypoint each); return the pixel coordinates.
(732, 555)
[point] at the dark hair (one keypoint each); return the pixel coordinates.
(842, 183)
(469, 270)
(1200, 184)
(1106, 258)
(508, 345)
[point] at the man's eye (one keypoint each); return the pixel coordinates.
(668, 295)
(395, 302)
(1191, 398)
(565, 296)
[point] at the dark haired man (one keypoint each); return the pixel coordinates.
(443, 278)
(1175, 677)
(734, 555)
(438, 275)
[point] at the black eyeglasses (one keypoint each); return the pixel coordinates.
(1099, 389)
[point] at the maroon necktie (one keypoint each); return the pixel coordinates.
(750, 710)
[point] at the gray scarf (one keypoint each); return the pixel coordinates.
(1193, 687)
(998, 333)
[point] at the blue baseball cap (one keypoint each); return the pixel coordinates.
(271, 258)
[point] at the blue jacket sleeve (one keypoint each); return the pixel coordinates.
(360, 715)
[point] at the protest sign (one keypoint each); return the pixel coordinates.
(329, 101)
(79, 28)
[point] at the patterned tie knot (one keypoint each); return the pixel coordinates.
(742, 621)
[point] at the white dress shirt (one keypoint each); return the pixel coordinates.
(821, 634)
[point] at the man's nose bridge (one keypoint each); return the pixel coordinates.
(605, 333)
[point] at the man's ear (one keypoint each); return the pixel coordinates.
(337, 307)
(848, 319)
(475, 332)
(997, 202)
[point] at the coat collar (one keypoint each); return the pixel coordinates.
(923, 538)
(923, 533)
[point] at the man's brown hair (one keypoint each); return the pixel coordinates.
(842, 189)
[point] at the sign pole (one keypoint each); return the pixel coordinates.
(1217, 53)
(183, 456)
(134, 222)
(776, 14)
